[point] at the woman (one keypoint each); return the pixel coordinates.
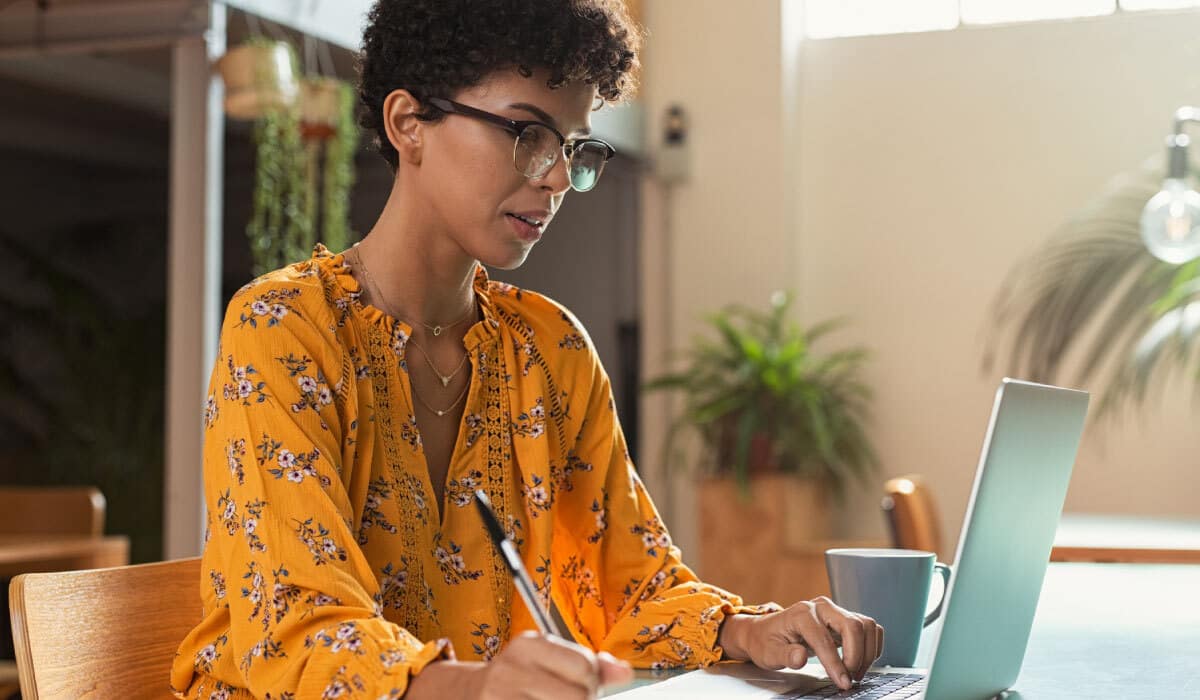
(360, 398)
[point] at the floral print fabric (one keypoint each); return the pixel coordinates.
(329, 571)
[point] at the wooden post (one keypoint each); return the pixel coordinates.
(194, 275)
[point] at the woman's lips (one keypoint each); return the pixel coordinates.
(525, 231)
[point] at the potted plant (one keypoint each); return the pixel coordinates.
(279, 226)
(330, 133)
(259, 77)
(784, 428)
(305, 140)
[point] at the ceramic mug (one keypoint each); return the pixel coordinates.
(891, 586)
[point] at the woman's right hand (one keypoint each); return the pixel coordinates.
(534, 666)
(529, 666)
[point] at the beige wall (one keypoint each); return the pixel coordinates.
(720, 237)
(926, 167)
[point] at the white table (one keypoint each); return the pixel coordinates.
(1110, 630)
(1101, 631)
(1127, 538)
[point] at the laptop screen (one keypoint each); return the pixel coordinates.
(1007, 535)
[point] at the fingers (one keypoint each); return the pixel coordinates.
(874, 634)
(853, 633)
(565, 661)
(550, 687)
(873, 646)
(861, 637)
(612, 670)
(777, 656)
(797, 655)
(535, 667)
(882, 637)
(813, 630)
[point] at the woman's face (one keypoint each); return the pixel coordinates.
(467, 174)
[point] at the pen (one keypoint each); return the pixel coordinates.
(508, 552)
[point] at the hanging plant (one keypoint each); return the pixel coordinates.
(339, 172)
(259, 77)
(305, 139)
(260, 83)
(298, 234)
(276, 226)
(331, 139)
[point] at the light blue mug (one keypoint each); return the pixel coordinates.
(891, 586)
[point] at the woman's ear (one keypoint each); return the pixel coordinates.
(400, 111)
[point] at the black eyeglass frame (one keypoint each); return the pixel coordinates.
(516, 126)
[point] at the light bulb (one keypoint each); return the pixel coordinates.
(1171, 222)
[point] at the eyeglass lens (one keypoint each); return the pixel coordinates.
(537, 150)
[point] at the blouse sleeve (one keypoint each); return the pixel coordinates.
(303, 602)
(619, 579)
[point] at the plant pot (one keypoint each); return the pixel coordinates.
(258, 77)
(742, 539)
(760, 453)
(320, 107)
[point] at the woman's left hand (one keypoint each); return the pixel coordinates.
(786, 639)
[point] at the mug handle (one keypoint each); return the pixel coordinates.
(945, 572)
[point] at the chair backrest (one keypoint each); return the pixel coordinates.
(103, 633)
(51, 510)
(910, 513)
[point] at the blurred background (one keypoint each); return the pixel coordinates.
(958, 181)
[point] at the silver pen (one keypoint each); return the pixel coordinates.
(508, 551)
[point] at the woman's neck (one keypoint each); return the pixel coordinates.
(422, 274)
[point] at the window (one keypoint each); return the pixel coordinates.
(831, 18)
(836, 18)
(1157, 4)
(992, 11)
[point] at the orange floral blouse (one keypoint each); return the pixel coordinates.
(330, 571)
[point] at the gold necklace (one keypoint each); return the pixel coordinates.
(444, 378)
(436, 328)
(429, 361)
(446, 409)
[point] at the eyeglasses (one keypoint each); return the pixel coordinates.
(539, 145)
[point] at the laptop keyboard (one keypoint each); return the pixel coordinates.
(874, 686)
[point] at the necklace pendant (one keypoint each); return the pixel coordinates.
(437, 330)
(441, 413)
(445, 380)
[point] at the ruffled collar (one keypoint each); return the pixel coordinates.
(337, 266)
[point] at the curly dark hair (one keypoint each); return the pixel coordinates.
(433, 48)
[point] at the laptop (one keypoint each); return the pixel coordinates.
(1008, 532)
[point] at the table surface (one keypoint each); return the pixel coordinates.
(22, 554)
(1099, 627)
(1127, 531)
(1101, 630)
(21, 548)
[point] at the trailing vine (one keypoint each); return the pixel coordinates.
(339, 172)
(295, 188)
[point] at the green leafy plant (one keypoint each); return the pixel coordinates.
(280, 223)
(1095, 300)
(339, 173)
(762, 399)
(303, 176)
(277, 227)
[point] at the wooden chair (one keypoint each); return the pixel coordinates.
(911, 516)
(71, 510)
(52, 510)
(103, 633)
